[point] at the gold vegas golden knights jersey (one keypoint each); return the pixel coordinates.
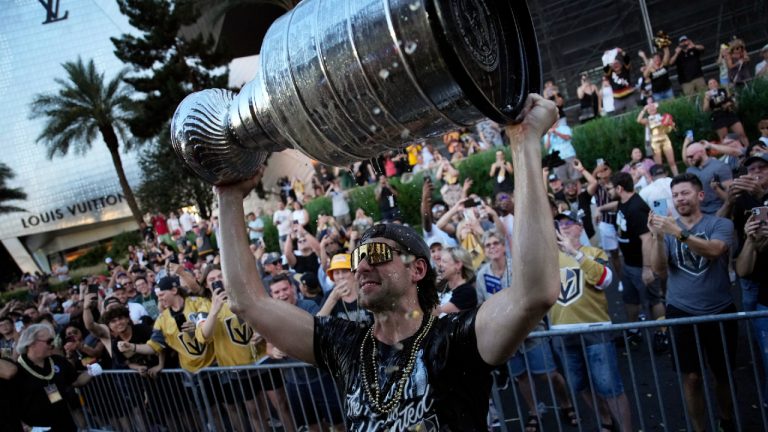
(231, 340)
(579, 300)
(193, 354)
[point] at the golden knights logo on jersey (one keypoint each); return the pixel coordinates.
(571, 285)
(239, 332)
(689, 261)
(192, 346)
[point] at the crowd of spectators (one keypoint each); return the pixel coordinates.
(667, 242)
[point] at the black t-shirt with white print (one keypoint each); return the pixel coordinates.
(447, 390)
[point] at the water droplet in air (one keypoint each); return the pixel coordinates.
(410, 47)
(405, 134)
(384, 74)
(376, 110)
(415, 6)
(395, 65)
(373, 128)
(399, 346)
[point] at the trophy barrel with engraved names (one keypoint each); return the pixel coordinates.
(346, 80)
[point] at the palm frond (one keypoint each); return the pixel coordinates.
(9, 194)
(84, 105)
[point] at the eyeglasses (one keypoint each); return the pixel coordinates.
(375, 253)
(492, 244)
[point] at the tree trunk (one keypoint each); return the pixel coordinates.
(110, 138)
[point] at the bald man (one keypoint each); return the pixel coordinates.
(714, 174)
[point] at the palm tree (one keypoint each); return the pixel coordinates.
(84, 106)
(8, 194)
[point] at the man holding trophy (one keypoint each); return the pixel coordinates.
(404, 70)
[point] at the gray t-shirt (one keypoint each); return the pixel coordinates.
(696, 284)
(488, 284)
(706, 173)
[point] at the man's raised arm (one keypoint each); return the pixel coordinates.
(286, 326)
(504, 321)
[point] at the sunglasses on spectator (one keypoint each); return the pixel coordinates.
(503, 197)
(376, 254)
(492, 244)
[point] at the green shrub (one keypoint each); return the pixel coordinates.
(314, 207)
(271, 239)
(364, 197)
(21, 295)
(120, 243)
(94, 256)
(753, 104)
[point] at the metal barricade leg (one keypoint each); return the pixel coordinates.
(728, 401)
(635, 390)
(681, 385)
(692, 395)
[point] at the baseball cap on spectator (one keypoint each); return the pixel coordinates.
(434, 241)
(761, 157)
(310, 280)
(110, 301)
(683, 38)
(568, 215)
(118, 287)
(122, 274)
(657, 170)
(553, 177)
(339, 262)
(764, 49)
(168, 283)
(272, 258)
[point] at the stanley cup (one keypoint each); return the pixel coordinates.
(345, 80)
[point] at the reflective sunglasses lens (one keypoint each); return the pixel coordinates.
(375, 253)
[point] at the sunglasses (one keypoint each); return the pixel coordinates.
(375, 253)
(566, 223)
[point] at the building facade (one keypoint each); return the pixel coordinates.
(75, 199)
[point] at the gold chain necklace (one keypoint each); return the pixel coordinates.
(372, 390)
(28, 368)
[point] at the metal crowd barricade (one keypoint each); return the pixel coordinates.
(652, 381)
(291, 396)
(274, 397)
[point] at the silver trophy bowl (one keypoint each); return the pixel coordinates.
(346, 80)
